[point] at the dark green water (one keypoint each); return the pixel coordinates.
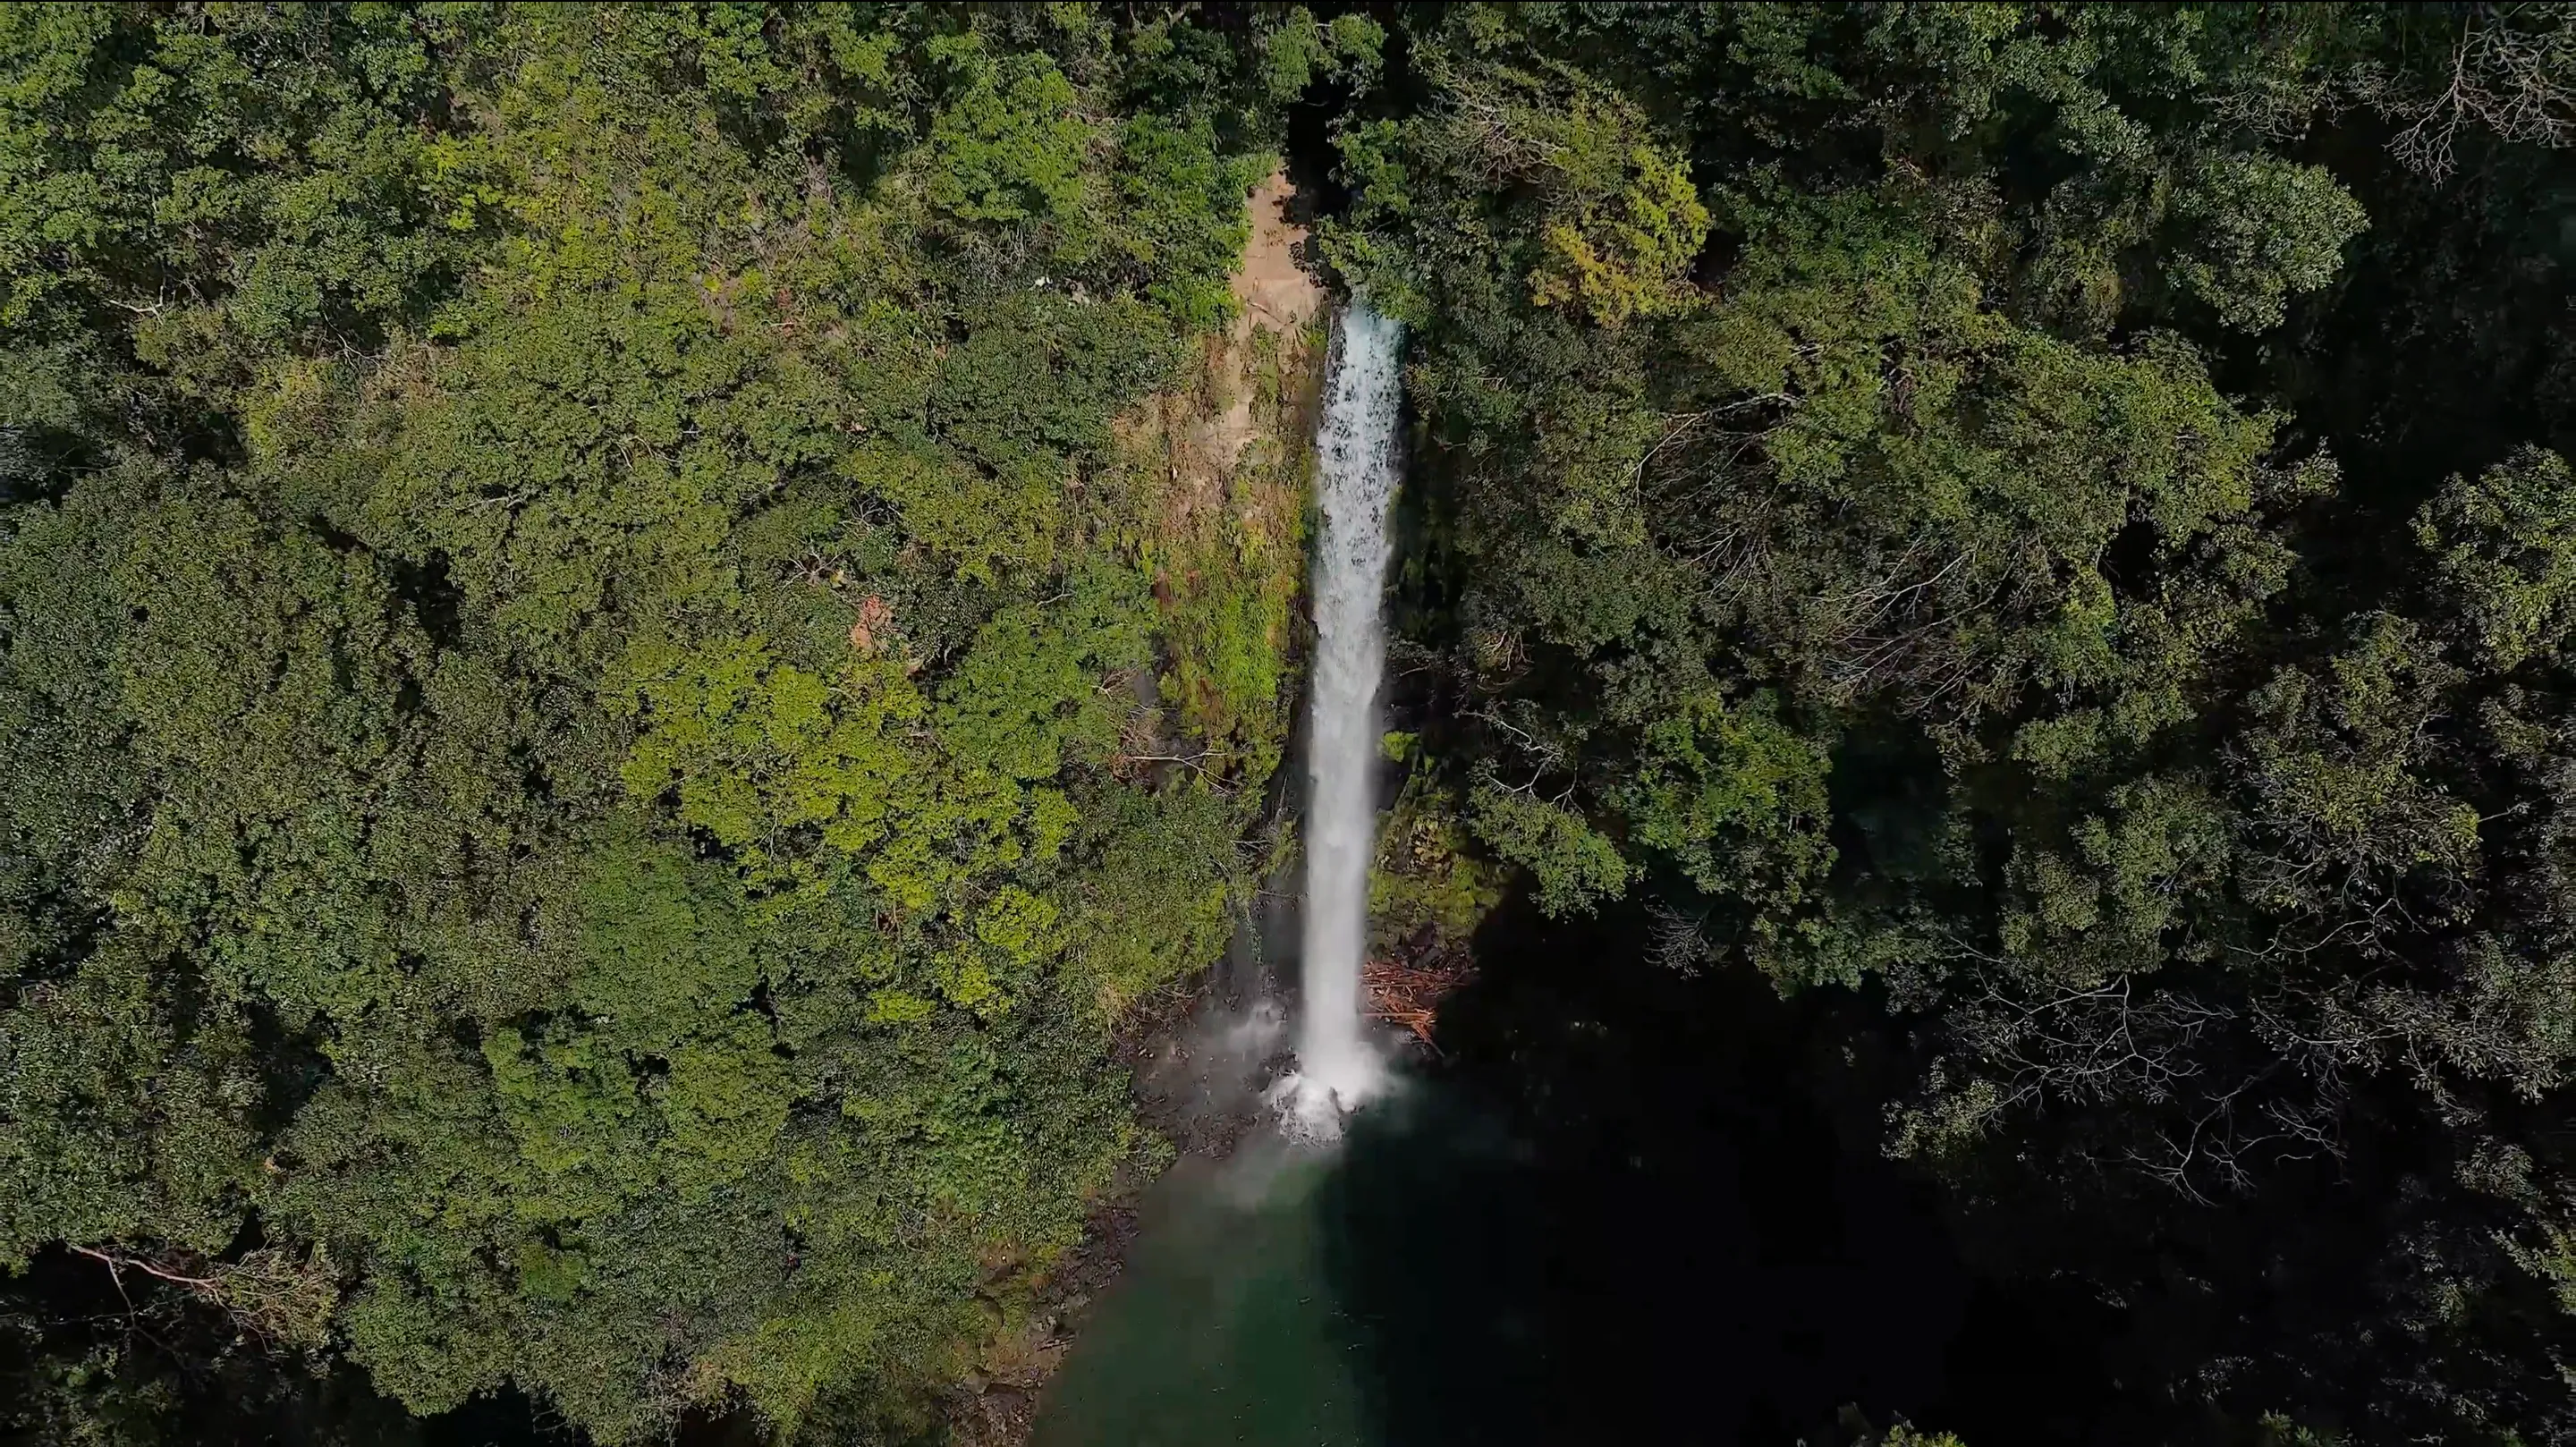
(1625, 1207)
(1236, 1320)
(1226, 1327)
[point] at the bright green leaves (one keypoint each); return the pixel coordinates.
(2150, 424)
(665, 943)
(942, 1119)
(565, 476)
(1005, 145)
(68, 789)
(727, 1096)
(2335, 759)
(121, 1124)
(1014, 933)
(808, 783)
(263, 174)
(1825, 285)
(261, 671)
(1616, 244)
(2129, 880)
(2263, 229)
(242, 635)
(569, 1098)
(1728, 795)
(769, 759)
(1018, 412)
(1181, 199)
(983, 523)
(1734, 797)
(1171, 857)
(1039, 376)
(1031, 694)
(1574, 866)
(1298, 50)
(2504, 548)
(1613, 212)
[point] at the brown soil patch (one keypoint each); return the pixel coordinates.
(1198, 434)
(1277, 293)
(1227, 444)
(1273, 287)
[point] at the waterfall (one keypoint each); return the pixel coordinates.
(1337, 1068)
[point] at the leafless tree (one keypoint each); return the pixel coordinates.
(271, 1294)
(1676, 939)
(2512, 70)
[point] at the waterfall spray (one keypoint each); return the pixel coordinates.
(1337, 1068)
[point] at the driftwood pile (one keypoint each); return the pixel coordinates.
(1409, 994)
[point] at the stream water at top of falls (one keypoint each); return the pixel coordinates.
(1357, 473)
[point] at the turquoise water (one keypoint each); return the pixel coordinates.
(1224, 1327)
(1376, 1293)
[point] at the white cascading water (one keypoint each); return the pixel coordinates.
(1337, 1068)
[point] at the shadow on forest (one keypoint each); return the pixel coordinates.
(1621, 1210)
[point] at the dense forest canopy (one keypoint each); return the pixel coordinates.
(577, 645)
(2056, 517)
(605, 705)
